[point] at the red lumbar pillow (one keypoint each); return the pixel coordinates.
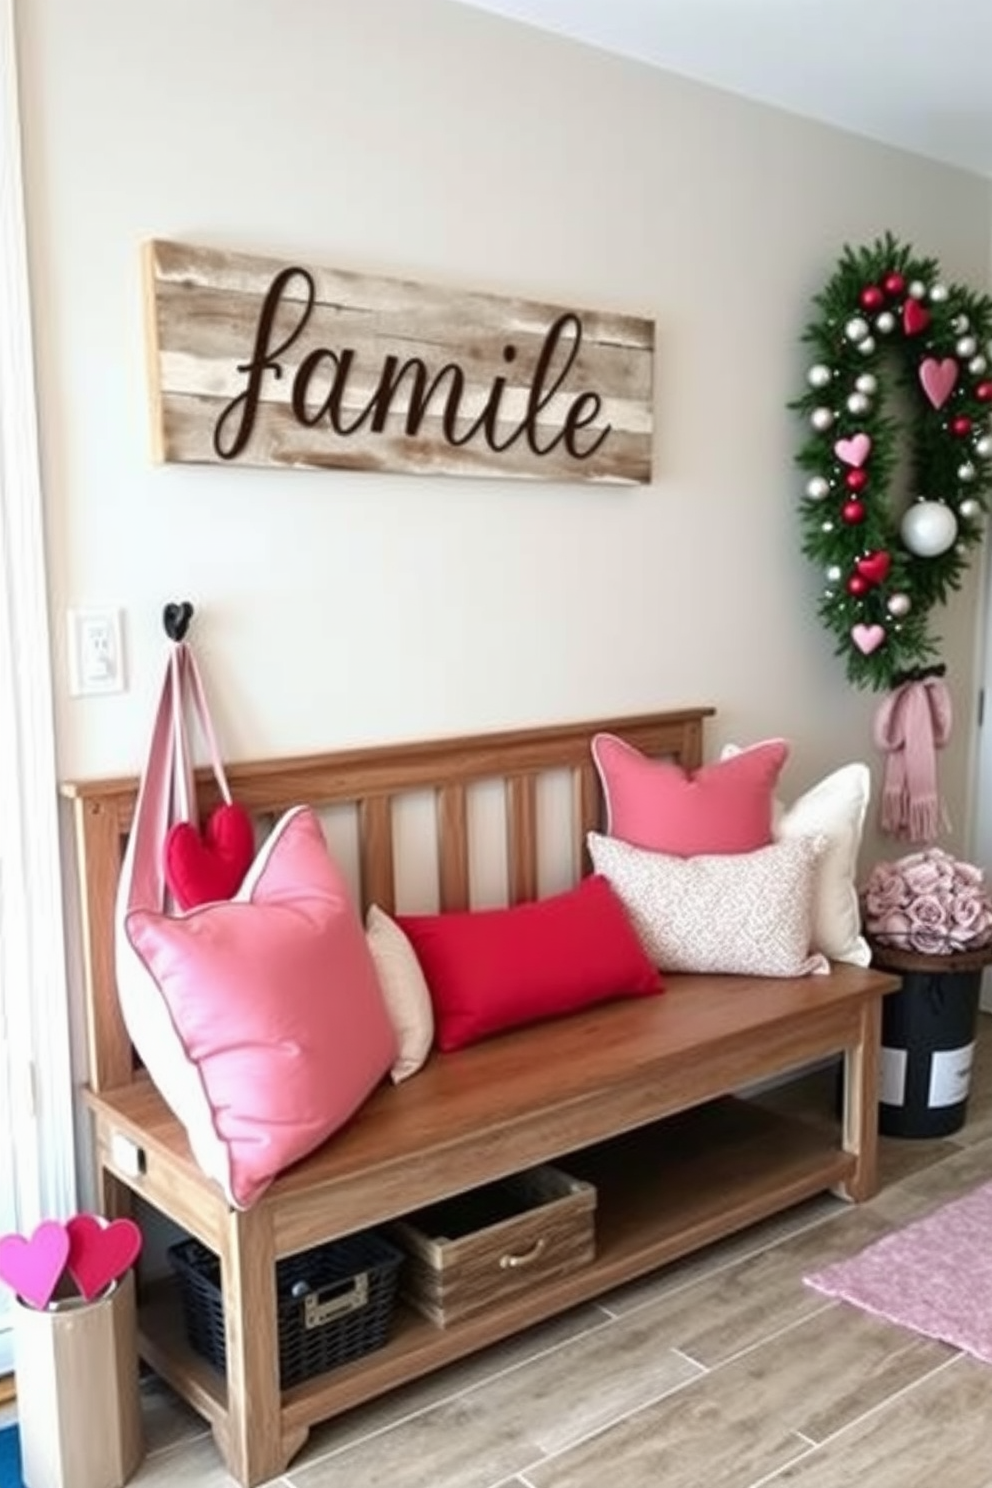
(491, 969)
(724, 807)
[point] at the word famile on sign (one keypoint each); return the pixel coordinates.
(262, 363)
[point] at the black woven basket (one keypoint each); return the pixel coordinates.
(333, 1304)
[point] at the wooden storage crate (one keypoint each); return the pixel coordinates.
(480, 1247)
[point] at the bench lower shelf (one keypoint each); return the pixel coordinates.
(663, 1191)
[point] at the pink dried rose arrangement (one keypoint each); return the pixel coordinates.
(928, 902)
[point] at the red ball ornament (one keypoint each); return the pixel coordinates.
(894, 284)
(872, 298)
(961, 425)
(852, 512)
(984, 392)
(857, 585)
(856, 480)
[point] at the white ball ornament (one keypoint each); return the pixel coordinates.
(938, 293)
(857, 328)
(817, 487)
(867, 346)
(899, 605)
(858, 403)
(966, 346)
(826, 526)
(970, 509)
(917, 289)
(819, 375)
(929, 528)
(977, 365)
(966, 472)
(983, 446)
(867, 383)
(960, 324)
(822, 419)
(885, 323)
(833, 574)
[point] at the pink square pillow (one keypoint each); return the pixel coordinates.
(260, 1019)
(725, 807)
(491, 969)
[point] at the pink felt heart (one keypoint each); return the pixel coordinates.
(867, 638)
(33, 1267)
(938, 379)
(853, 451)
(915, 317)
(208, 868)
(100, 1253)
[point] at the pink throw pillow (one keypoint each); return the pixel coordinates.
(490, 969)
(260, 1019)
(725, 807)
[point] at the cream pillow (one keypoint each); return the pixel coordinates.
(404, 991)
(834, 808)
(747, 913)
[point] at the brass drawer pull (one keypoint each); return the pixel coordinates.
(512, 1262)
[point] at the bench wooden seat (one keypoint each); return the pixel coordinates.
(644, 1096)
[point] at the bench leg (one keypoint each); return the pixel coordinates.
(251, 1438)
(861, 1070)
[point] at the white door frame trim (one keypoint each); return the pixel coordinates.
(33, 977)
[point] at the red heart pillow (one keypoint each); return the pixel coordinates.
(202, 868)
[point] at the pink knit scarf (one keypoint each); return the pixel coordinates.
(911, 724)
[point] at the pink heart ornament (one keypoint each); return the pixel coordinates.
(867, 638)
(938, 379)
(100, 1253)
(853, 451)
(34, 1267)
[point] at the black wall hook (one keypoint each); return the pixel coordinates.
(176, 617)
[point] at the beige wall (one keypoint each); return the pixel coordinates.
(420, 138)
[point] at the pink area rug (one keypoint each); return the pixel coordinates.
(935, 1276)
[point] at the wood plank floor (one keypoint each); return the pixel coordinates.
(723, 1370)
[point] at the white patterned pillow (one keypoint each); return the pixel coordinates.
(747, 913)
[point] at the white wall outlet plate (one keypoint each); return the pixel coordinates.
(96, 652)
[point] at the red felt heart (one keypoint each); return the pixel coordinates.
(100, 1253)
(874, 567)
(915, 317)
(33, 1267)
(204, 869)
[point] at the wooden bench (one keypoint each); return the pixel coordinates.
(663, 1072)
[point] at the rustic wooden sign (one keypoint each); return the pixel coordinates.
(255, 361)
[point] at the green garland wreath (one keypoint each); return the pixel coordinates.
(885, 308)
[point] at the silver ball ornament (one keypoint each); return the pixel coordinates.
(938, 293)
(822, 419)
(899, 604)
(929, 528)
(867, 346)
(917, 289)
(960, 324)
(966, 472)
(867, 383)
(834, 574)
(983, 446)
(858, 403)
(817, 487)
(970, 509)
(977, 365)
(856, 328)
(966, 346)
(819, 376)
(885, 323)
(826, 526)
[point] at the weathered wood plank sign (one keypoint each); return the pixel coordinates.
(256, 361)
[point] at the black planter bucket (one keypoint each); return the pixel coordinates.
(928, 1043)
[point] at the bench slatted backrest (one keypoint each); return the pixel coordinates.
(373, 781)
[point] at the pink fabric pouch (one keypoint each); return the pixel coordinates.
(259, 1018)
